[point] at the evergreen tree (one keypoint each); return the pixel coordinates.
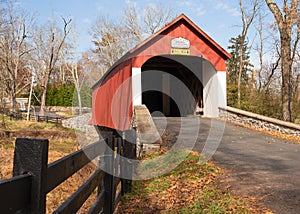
(233, 63)
(233, 66)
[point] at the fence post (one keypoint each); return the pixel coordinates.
(31, 156)
(129, 152)
(108, 178)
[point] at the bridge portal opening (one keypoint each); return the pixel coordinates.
(171, 85)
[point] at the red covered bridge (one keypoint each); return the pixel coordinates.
(171, 72)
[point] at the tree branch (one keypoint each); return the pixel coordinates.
(276, 11)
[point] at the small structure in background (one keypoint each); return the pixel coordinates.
(21, 103)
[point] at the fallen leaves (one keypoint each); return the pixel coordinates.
(289, 137)
(62, 142)
(190, 188)
(6, 160)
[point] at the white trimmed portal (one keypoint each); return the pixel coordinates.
(190, 54)
(214, 86)
(136, 86)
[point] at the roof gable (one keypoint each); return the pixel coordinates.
(159, 44)
(170, 30)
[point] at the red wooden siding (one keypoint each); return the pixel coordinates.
(114, 110)
(112, 105)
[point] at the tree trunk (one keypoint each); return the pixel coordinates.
(13, 102)
(79, 99)
(285, 20)
(239, 90)
(43, 102)
(44, 94)
(29, 99)
(298, 88)
(3, 112)
(286, 66)
(240, 73)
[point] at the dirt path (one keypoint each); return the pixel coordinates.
(259, 165)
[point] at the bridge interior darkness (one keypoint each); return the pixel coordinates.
(170, 87)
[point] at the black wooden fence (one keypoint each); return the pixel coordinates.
(33, 178)
(47, 119)
(22, 116)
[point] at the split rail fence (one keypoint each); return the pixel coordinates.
(33, 178)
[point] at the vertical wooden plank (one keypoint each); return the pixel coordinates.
(122, 164)
(105, 135)
(31, 156)
(129, 152)
(109, 179)
(114, 166)
(117, 168)
(117, 159)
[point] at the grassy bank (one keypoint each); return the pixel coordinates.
(189, 188)
(62, 141)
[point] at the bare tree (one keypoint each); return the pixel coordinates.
(260, 51)
(298, 88)
(286, 20)
(113, 40)
(72, 65)
(110, 41)
(269, 67)
(49, 42)
(92, 70)
(132, 25)
(14, 47)
(156, 17)
(247, 19)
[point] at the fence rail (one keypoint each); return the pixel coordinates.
(23, 116)
(62, 169)
(81, 195)
(33, 178)
(15, 193)
(47, 119)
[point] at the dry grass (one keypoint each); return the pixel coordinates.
(62, 142)
(6, 160)
(57, 196)
(189, 188)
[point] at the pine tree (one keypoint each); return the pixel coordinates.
(233, 65)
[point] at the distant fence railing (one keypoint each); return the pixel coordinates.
(38, 118)
(47, 119)
(33, 178)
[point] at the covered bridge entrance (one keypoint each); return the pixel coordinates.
(172, 85)
(173, 72)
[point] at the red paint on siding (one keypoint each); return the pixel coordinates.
(112, 95)
(112, 105)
